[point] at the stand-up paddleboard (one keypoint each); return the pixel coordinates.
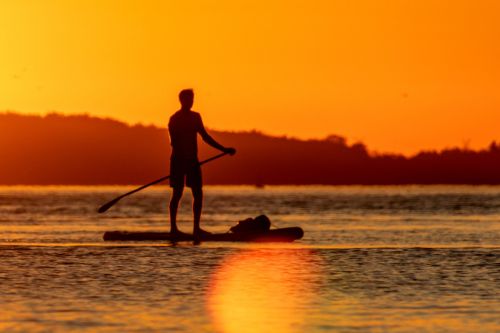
(275, 235)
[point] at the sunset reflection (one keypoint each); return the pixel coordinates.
(261, 291)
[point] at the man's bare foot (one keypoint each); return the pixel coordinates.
(179, 234)
(200, 233)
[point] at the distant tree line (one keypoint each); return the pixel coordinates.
(85, 150)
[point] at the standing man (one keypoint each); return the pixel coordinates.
(183, 128)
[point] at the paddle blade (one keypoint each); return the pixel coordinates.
(108, 205)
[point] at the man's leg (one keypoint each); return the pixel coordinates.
(197, 207)
(174, 204)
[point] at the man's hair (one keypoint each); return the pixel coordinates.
(186, 95)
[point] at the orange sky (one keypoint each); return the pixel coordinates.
(398, 75)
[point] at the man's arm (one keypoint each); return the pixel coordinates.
(211, 141)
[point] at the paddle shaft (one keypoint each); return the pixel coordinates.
(109, 204)
(167, 177)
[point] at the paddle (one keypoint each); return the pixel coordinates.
(110, 204)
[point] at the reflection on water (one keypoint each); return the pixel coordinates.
(262, 291)
(247, 289)
(373, 259)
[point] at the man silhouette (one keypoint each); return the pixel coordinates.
(183, 128)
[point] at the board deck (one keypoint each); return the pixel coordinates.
(275, 235)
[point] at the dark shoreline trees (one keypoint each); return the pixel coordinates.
(84, 150)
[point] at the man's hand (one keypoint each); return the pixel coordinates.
(230, 151)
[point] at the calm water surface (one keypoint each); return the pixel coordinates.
(373, 259)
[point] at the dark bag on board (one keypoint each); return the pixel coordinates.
(257, 225)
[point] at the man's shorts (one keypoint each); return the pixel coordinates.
(188, 169)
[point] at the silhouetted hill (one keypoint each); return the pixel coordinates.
(58, 149)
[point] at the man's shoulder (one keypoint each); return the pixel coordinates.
(175, 115)
(172, 117)
(190, 113)
(195, 114)
(185, 116)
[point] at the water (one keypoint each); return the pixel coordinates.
(373, 259)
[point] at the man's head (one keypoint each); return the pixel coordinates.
(186, 98)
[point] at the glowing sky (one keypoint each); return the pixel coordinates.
(398, 75)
